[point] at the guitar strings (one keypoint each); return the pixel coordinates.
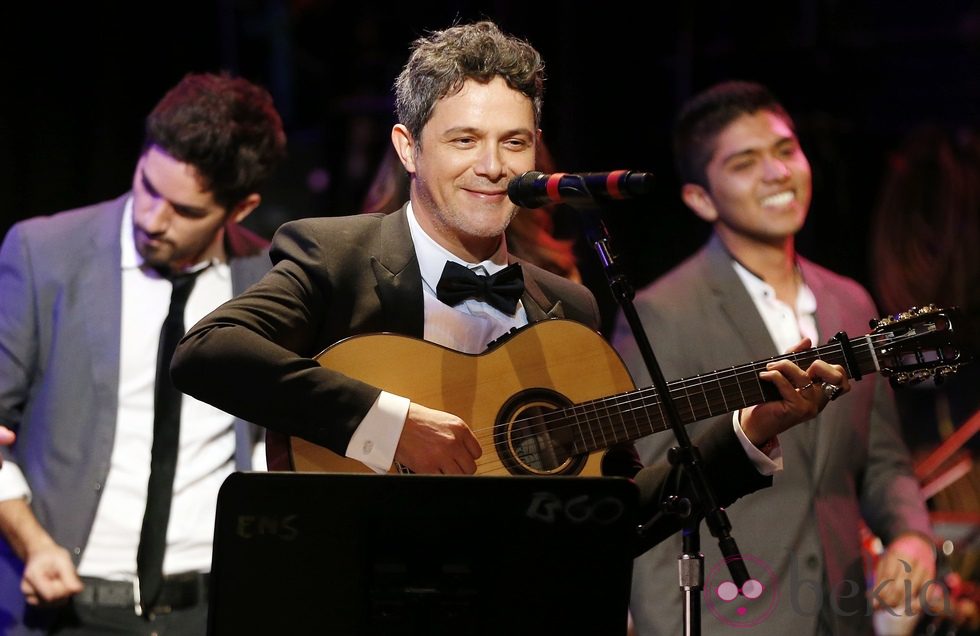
(638, 405)
(552, 422)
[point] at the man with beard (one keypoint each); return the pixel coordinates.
(94, 540)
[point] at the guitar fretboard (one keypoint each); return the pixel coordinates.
(600, 423)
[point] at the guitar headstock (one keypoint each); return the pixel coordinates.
(917, 344)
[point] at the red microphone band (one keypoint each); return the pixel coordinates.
(552, 186)
(612, 183)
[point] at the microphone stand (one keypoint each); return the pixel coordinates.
(685, 454)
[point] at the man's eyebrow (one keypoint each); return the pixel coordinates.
(747, 152)
(188, 210)
(472, 130)
(787, 140)
(180, 207)
(147, 184)
(738, 154)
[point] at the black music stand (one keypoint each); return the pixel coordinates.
(304, 553)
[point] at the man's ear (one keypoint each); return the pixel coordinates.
(699, 200)
(244, 207)
(404, 145)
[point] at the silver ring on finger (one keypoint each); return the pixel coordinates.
(832, 391)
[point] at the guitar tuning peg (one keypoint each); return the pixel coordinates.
(899, 379)
(941, 373)
(882, 322)
(920, 375)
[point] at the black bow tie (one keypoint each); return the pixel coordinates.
(501, 290)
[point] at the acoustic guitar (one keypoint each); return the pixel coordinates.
(552, 397)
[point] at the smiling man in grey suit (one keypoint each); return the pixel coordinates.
(85, 293)
(747, 295)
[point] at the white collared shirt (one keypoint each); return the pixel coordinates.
(207, 441)
(786, 325)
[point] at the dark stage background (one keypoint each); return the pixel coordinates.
(858, 76)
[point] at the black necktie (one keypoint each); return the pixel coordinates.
(163, 461)
(501, 290)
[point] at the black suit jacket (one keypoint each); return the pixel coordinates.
(332, 278)
(337, 277)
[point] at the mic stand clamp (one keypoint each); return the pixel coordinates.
(685, 454)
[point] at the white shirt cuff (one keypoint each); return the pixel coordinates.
(12, 483)
(376, 438)
(765, 464)
(259, 462)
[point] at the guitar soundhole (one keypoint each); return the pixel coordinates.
(531, 440)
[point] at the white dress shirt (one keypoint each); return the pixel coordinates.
(467, 327)
(786, 325)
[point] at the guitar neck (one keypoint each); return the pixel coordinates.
(600, 423)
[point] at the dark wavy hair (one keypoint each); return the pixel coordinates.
(440, 63)
(706, 114)
(224, 126)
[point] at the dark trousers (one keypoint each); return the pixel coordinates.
(103, 621)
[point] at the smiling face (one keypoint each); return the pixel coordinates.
(759, 182)
(475, 142)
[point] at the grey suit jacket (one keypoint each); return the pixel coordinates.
(802, 535)
(60, 302)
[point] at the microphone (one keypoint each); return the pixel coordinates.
(534, 189)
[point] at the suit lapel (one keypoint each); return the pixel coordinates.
(536, 303)
(99, 283)
(399, 281)
(734, 302)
